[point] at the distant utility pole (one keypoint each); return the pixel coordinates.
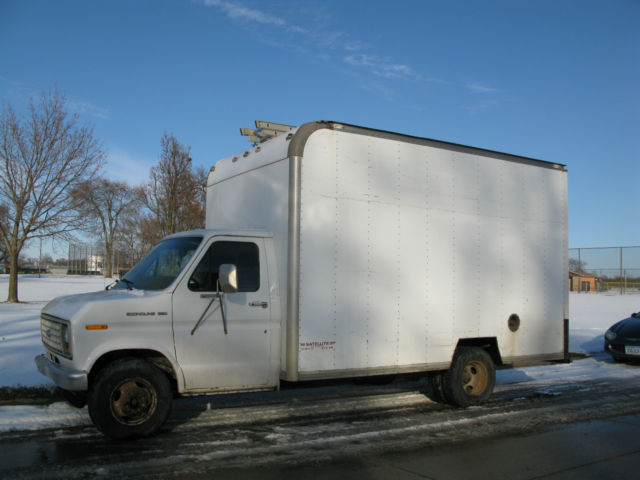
(40, 258)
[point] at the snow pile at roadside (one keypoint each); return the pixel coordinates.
(56, 415)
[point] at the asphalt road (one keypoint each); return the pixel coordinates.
(560, 428)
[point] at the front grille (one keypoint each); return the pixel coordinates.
(53, 330)
(617, 348)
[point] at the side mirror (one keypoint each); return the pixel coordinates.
(228, 278)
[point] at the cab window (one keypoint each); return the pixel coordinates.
(244, 255)
(159, 268)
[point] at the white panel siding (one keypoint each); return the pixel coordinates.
(406, 248)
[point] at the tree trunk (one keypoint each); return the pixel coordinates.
(13, 278)
(108, 261)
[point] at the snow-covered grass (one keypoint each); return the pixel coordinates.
(591, 315)
(20, 322)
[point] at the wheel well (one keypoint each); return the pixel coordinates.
(151, 356)
(489, 344)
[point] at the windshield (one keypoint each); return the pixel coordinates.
(161, 265)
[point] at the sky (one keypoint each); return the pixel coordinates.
(557, 80)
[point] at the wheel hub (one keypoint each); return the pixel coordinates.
(133, 401)
(475, 378)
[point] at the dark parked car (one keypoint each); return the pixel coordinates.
(622, 340)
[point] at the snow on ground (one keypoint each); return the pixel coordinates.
(20, 322)
(591, 315)
(56, 415)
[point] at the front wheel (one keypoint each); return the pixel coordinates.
(471, 378)
(130, 398)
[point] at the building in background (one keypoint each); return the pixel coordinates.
(582, 282)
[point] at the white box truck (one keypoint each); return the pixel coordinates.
(330, 251)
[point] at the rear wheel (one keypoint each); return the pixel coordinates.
(130, 398)
(436, 388)
(471, 378)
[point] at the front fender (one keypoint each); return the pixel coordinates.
(109, 348)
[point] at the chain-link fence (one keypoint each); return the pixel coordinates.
(603, 269)
(89, 259)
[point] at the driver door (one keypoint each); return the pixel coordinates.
(210, 358)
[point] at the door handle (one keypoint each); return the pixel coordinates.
(258, 304)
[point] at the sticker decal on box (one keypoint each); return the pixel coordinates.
(307, 346)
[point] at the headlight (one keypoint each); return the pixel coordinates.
(56, 334)
(610, 335)
(66, 340)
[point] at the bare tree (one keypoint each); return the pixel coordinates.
(576, 265)
(106, 203)
(173, 194)
(4, 253)
(42, 157)
(130, 239)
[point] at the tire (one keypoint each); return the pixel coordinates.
(471, 378)
(130, 398)
(436, 390)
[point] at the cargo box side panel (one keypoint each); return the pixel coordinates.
(417, 342)
(334, 216)
(531, 255)
(544, 266)
(254, 199)
(407, 248)
(438, 251)
(362, 297)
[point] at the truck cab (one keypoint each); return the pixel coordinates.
(174, 315)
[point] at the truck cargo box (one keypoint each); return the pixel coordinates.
(394, 250)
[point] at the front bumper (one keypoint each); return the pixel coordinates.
(617, 350)
(66, 379)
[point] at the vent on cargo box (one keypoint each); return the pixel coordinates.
(514, 322)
